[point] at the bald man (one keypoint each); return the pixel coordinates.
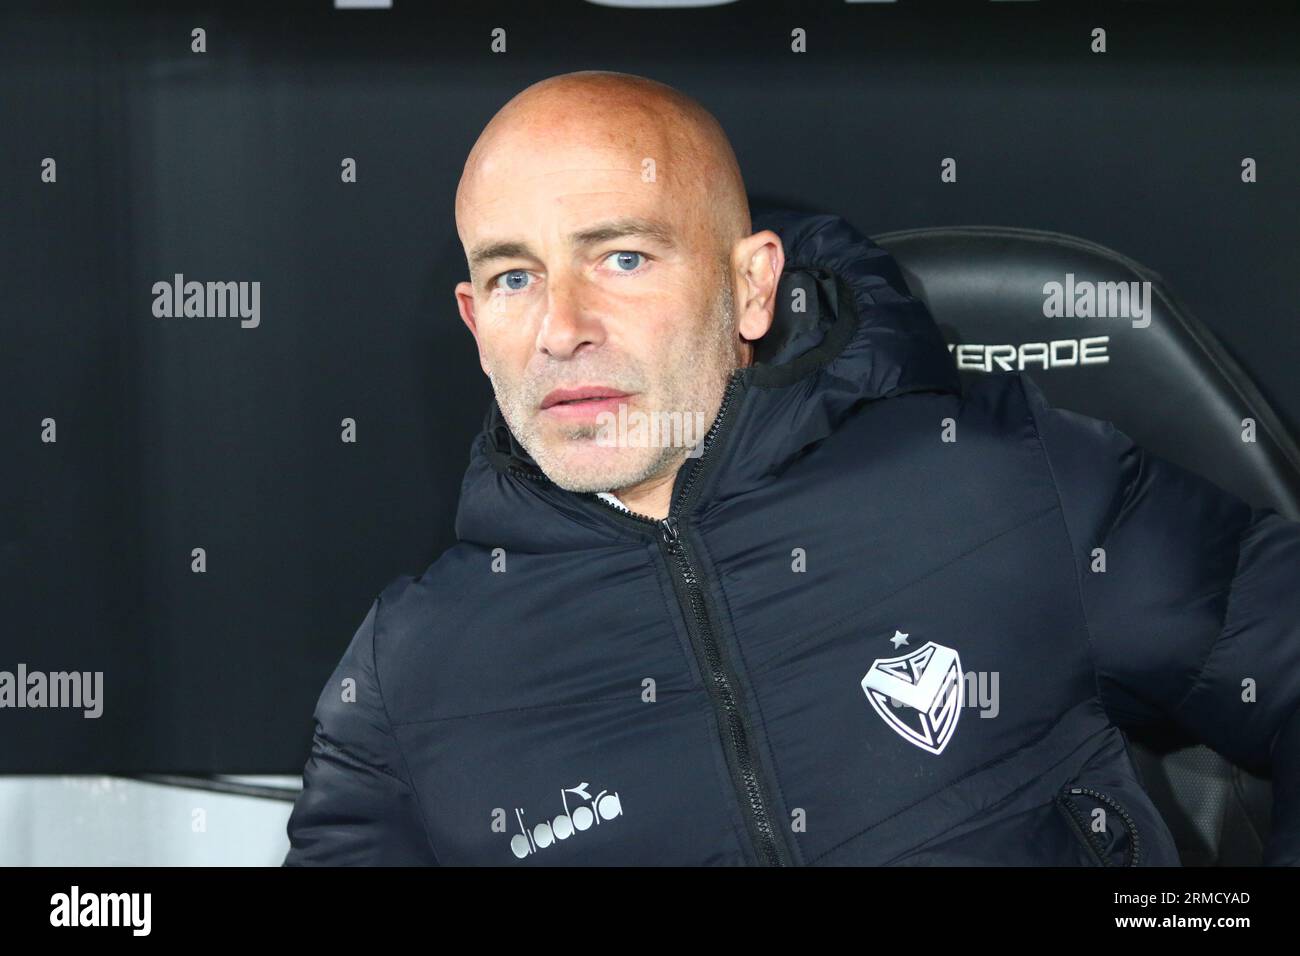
(838, 613)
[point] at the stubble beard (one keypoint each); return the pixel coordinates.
(688, 388)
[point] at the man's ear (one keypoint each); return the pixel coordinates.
(760, 259)
(465, 303)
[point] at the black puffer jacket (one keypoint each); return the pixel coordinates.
(873, 630)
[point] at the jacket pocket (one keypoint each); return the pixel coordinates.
(1102, 824)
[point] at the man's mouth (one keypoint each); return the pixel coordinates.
(582, 402)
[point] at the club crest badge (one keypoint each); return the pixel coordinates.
(927, 685)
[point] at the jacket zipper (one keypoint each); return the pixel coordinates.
(768, 844)
(1081, 824)
(724, 699)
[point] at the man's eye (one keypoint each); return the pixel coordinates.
(515, 280)
(625, 261)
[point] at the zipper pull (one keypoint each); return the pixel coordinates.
(669, 528)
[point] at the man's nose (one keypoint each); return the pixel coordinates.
(568, 325)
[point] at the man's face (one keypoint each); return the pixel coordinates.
(579, 295)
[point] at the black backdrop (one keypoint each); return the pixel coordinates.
(183, 433)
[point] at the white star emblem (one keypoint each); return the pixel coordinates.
(899, 639)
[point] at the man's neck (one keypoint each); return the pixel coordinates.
(651, 497)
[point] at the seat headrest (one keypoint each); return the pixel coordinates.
(1104, 336)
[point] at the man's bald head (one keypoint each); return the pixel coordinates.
(644, 118)
(606, 230)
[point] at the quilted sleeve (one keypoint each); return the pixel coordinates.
(1195, 618)
(356, 806)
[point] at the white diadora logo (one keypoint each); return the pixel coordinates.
(928, 683)
(604, 806)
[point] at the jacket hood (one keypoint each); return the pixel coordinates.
(855, 335)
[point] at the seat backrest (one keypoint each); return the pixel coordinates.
(1102, 335)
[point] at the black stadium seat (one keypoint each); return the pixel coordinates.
(1171, 387)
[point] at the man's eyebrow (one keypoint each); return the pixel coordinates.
(653, 229)
(487, 251)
